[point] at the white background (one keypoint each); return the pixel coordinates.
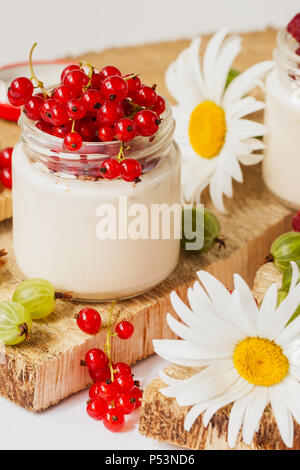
(72, 26)
(69, 27)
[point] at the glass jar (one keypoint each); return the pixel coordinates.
(60, 202)
(281, 167)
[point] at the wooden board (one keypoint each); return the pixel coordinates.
(40, 373)
(163, 419)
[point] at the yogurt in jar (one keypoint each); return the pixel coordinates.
(281, 166)
(56, 220)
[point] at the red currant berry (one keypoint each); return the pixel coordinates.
(68, 69)
(44, 126)
(138, 395)
(133, 83)
(5, 157)
(124, 383)
(96, 80)
(97, 409)
(32, 108)
(63, 94)
(131, 169)
(92, 119)
(87, 132)
(146, 122)
(296, 222)
(73, 141)
(124, 329)
(53, 112)
(126, 403)
(21, 88)
(93, 100)
(14, 101)
(114, 420)
(145, 96)
(105, 134)
(100, 374)
(61, 131)
(122, 369)
(109, 71)
(107, 390)
(76, 108)
(114, 88)
(125, 130)
(110, 169)
(294, 27)
(159, 106)
(110, 112)
(96, 359)
(89, 321)
(76, 79)
(6, 178)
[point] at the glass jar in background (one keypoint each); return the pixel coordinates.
(281, 166)
(56, 200)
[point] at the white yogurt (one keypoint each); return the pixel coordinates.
(55, 230)
(281, 167)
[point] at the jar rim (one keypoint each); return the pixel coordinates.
(50, 146)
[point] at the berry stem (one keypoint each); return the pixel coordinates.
(121, 155)
(39, 84)
(108, 340)
(73, 126)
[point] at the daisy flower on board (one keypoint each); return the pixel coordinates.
(211, 129)
(245, 352)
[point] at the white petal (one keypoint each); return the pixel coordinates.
(283, 314)
(167, 379)
(238, 390)
(245, 129)
(195, 176)
(193, 414)
(239, 316)
(250, 159)
(247, 301)
(282, 415)
(194, 51)
(209, 60)
(209, 347)
(215, 380)
(236, 419)
(178, 348)
(245, 82)
(229, 50)
(267, 312)
(254, 410)
(292, 394)
(295, 275)
(215, 289)
(243, 107)
(210, 320)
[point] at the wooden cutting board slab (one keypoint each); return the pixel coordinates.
(163, 419)
(42, 372)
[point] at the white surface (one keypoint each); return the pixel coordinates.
(67, 426)
(70, 27)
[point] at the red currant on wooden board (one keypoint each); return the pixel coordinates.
(89, 321)
(114, 393)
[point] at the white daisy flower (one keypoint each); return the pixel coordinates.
(245, 352)
(211, 130)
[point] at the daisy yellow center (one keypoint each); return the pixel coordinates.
(207, 129)
(260, 361)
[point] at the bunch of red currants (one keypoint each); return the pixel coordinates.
(114, 393)
(91, 105)
(5, 167)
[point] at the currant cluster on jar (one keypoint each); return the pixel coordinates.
(92, 106)
(294, 29)
(114, 392)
